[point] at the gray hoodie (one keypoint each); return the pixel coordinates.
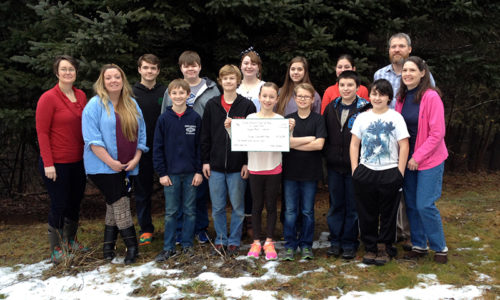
(206, 92)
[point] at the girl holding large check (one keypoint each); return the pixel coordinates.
(265, 176)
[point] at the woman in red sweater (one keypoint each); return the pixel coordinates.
(59, 131)
(345, 62)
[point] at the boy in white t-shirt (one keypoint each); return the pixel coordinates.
(378, 177)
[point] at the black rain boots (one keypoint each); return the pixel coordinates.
(110, 236)
(130, 240)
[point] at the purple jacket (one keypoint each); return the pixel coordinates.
(430, 149)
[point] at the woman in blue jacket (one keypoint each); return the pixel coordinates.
(115, 137)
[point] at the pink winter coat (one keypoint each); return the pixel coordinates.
(430, 149)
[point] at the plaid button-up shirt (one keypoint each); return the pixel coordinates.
(388, 73)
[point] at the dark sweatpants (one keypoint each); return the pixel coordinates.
(66, 192)
(265, 190)
(143, 184)
(377, 199)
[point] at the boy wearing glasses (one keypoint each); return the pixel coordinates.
(301, 172)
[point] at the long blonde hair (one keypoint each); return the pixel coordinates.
(126, 107)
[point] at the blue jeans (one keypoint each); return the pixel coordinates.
(342, 216)
(202, 199)
(174, 202)
(299, 198)
(220, 185)
(421, 190)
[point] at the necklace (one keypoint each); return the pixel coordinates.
(248, 88)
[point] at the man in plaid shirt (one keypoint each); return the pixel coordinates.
(399, 50)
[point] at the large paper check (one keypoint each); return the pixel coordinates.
(260, 135)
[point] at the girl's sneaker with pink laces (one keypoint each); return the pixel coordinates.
(254, 250)
(270, 251)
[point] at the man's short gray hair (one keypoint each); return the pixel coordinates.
(400, 35)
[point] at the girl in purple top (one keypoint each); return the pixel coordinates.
(297, 73)
(115, 137)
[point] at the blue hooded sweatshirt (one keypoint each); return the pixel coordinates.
(176, 147)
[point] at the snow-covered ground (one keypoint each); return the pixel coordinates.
(24, 282)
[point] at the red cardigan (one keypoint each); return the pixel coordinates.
(333, 93)
(59, 126)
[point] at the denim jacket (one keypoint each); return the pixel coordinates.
(99, 128)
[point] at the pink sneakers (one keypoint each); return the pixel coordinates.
(270, 251)
(254, 250)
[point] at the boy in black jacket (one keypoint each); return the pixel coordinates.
(149, 95)
(176, 158)
(339, 116)
(225, 170)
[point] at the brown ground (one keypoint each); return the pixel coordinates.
(34, 208)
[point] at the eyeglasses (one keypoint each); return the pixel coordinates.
(302, 97)
(65, 70)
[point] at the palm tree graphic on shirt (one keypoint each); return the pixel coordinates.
(377, 140)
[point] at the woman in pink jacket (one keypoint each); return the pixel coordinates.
(423, 111)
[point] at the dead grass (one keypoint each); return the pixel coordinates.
(469, 208)
(198, 287)
(74, 263)
(146, 288)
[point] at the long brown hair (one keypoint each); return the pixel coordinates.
(286, 91)
(126, 107)
(425, 82)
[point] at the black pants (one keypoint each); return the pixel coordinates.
(66, 192)
(111, 185)
(248, 200)
(143, 184)
(377, 199)
(265, 190)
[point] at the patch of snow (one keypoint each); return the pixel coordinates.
(428, 278)
(483, 277)
(321, 269)
(25, 282)
(476, 239)
(419, 292)
(485, 262)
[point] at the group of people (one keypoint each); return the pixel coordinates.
(377, 143)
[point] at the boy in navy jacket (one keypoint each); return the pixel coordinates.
(176, 159)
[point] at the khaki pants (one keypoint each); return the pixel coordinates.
(403, 226)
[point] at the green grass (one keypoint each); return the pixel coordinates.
(469, 208)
